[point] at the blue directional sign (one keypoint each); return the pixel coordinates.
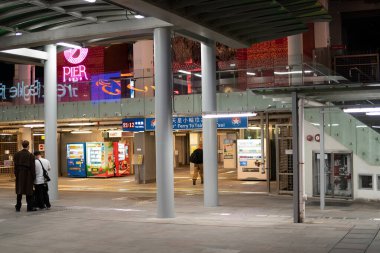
(230, 123)
(190, 123)
(133, 124)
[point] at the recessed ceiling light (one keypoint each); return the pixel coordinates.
(90, 1)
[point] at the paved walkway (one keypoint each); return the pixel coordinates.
(117, 215)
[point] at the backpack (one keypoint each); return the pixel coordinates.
(197, 156)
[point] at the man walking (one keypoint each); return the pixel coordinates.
(25, 175)
(197, 158)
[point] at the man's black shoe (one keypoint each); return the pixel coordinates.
(32, 209)
(17, 209)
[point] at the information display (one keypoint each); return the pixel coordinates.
(133, 124)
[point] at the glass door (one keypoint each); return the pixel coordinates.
(338, 175)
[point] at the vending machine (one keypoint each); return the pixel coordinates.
(250, 160)
(121, 159)
(100, 160)
(76, 157)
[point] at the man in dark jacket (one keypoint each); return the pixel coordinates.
(25, 175)
(197, 158)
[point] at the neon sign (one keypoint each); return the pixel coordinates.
(22, 90)
(75, 56)
(75, 73)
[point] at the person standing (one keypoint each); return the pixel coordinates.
(197, 158)
(25, 175)
(40, 183)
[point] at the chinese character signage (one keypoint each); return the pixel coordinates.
(133, 124)
(189, 123)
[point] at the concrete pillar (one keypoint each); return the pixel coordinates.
(295, 59)
(301, 158)
(23, 76)
(322, 159)
(143, 144)
(322, 30)
(321, 53)
(210, 164)
(50, 109)
(164, 123)
(143, 68)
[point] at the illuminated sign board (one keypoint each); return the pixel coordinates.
(188, 123)
(106, 86)
(78, 72)
(133, 124)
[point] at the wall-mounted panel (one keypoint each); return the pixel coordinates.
(41, 111)
(88, 110)
(197, 103)
(67, 110)
(149, 106)
(29, 112)
(183, 104)
(110, 109)
(12, 113)
(232, 102)
(133, 107)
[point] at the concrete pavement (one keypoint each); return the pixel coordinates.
(117, 215)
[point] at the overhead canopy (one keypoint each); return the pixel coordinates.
(234, 23)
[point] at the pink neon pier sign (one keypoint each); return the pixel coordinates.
(75, 57)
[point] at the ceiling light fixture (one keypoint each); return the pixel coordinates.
(362, 110)
(184, 72)
(81, 132)
(139, 16)
(82, 124)
(38, 134)
(292, 72)
(34, 125)
(228, 115)
(90, 1)
(198, 75)
(251, 73)
(373, 113)
(69, 45)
